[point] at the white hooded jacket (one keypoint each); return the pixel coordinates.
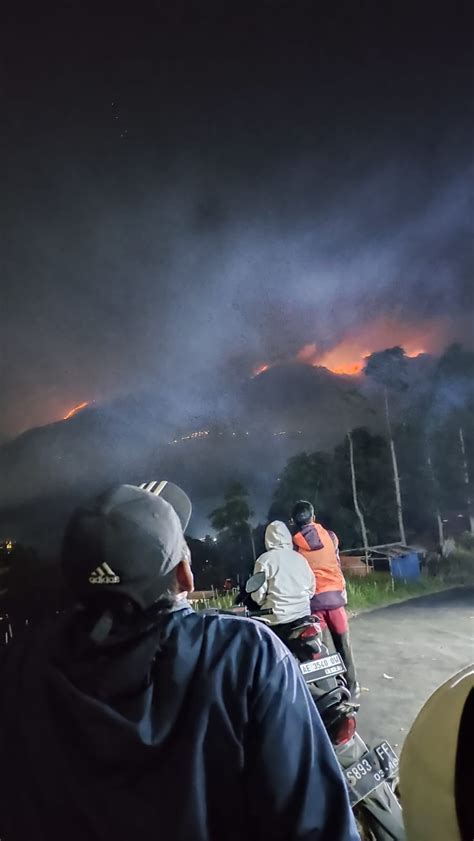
(289, 580)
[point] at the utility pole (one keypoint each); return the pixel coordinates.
(396, 476)
(252, 541)
(434, 482)
(467, 482)
(356, 501)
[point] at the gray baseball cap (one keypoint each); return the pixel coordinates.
(127, 541)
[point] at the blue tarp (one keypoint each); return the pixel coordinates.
(406, 566)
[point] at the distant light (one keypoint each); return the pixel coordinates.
(201, 433)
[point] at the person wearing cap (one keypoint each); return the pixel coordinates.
(134, 717)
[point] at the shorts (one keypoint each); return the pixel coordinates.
(335, 619)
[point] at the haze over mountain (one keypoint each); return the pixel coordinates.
(247, 433)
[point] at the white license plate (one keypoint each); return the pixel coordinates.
(373, 768)
(325, 667)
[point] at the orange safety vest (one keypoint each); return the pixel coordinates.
(323, 562)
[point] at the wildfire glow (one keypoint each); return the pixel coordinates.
(339, 360)
(260, 369)
(348, 356)
(76, 410)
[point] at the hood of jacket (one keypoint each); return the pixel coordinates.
(277, 536)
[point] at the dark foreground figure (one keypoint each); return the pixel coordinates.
(136, 718)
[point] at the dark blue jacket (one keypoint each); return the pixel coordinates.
(199, 729)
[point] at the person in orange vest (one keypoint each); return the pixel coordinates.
(320, 547)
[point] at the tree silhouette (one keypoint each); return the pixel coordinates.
(326, 480)
(234, 513)
(235, 534)
(454, 397)
(306, 476)
(388, 369)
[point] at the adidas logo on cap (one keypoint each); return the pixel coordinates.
(103, 574)
(153, 487)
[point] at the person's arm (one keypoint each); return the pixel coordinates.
(335, 541)
(311, 582)
(295, 790)
(260, 595)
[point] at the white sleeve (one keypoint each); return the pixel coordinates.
(260, 595)
(311, 581)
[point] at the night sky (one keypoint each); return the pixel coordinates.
(191, 190)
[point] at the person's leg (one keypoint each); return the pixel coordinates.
(322, 616)
(339, 627)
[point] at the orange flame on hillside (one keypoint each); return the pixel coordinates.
(76, 410)
(260, 369)
(348, 357)
(339, 360)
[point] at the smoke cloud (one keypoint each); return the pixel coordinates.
(186, 283)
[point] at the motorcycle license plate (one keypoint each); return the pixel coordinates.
(325, 667)
(372, 768)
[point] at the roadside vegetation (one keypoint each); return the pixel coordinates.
(379, 588)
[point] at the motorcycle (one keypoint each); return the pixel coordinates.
(371, 774)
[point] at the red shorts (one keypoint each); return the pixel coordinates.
(335, 619)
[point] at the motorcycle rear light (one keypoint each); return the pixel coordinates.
(345, 731)
(309, 632)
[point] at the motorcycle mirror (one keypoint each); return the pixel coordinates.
(255, 582)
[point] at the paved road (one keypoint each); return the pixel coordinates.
(420, 644)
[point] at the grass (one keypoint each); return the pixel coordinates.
(461, 564)
(375, 590)
(219, 601)
(379, 588)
